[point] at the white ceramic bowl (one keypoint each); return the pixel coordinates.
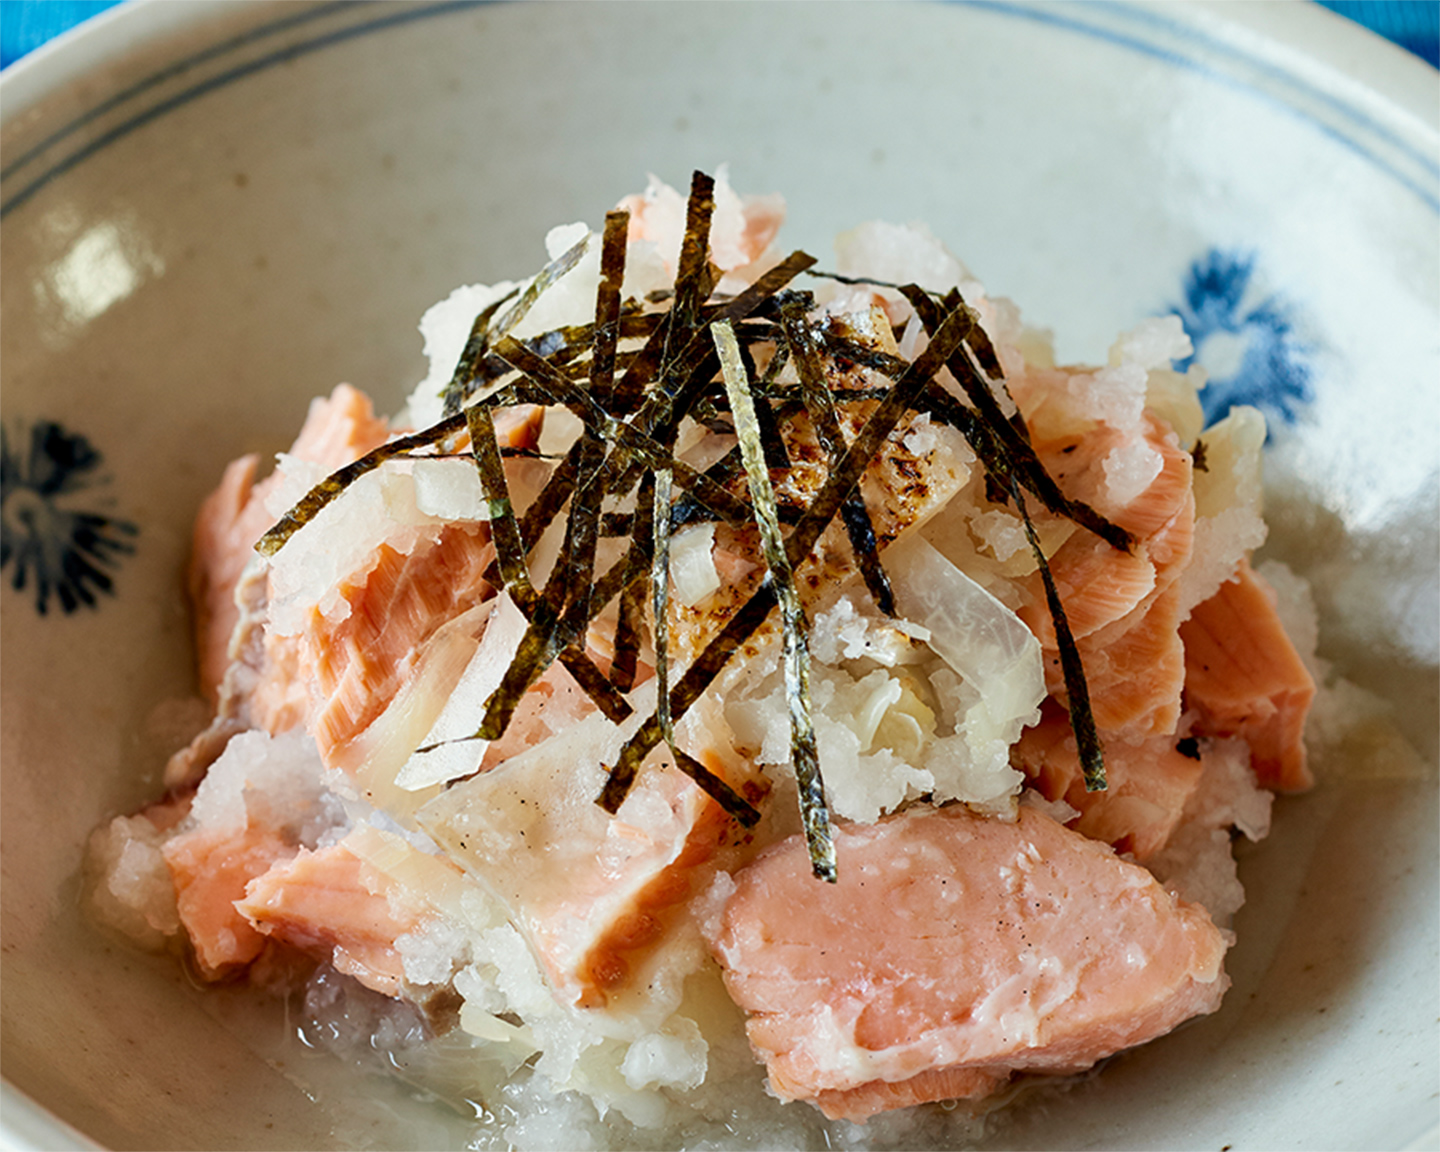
(213, 211)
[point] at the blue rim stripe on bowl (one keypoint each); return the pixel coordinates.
(169, 72)
(1426, 161)
(1066, 19)
(406, 15)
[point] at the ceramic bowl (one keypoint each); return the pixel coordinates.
(213, 211)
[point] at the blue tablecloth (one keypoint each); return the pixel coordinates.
(1413, 24)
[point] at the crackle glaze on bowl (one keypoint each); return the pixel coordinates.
(211, 212)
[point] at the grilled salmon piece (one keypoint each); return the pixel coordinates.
(337, 430)
(334, 907)
(210, 870)
(1147, 783)
(954, 950)
(1244, 677)
(1123, 608)
(594, 895)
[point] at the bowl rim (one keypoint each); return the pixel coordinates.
(1317, 44)
(1310, 34)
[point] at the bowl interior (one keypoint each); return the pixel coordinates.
(210, 213)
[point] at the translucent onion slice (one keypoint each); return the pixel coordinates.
(986, 644)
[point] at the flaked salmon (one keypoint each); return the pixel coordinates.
(211, 872)
(593, 894)
(1245, 678)
(1122, 607)
(337, 430)
(331, 905)
(989, 947)
(1147, 784)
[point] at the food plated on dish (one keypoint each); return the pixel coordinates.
(717, 638)
(225, 221)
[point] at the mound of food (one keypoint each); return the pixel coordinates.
(717, 641)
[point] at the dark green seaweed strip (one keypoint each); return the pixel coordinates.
(980, 345)
(656, 415)
(628, 438)
(471, 356)
(631, 568)
(992, 446)
(716, 788)
(769, 283)
(546, 505)
(976, 388)
(313, 502)
(804, 753)
(691, 287)
(595, 684)
(693, 283)
(551, 634)
(515, 575)
(981, 436)
(701, 348)
(660, 600)
(542, 634)
(582, 532)
(504, 531)
(578, 582)
(527, 666)
(696, 678)
(777, 456)
(642, 367)
(310, 505)
(841, 278)
(544, 279)
(617, 524)
(568, 347)
(1082, 719)
(989, 361)
(846, 350)
(894, 403)
(821, 406)
(607, 306)
(627, 636)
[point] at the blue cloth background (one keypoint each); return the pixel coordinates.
(1413, 24)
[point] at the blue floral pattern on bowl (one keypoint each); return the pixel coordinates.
(1252, 350)
(46, 541)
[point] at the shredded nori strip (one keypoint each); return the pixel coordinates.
(515, 575)
(313, 502)
(795, 628)
(471, 357)
(607, 307)
(717, 789)
(660, 601)
(627, 636)
(504, 531)
(1082, 719)
(547, 276)
(628, 439)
